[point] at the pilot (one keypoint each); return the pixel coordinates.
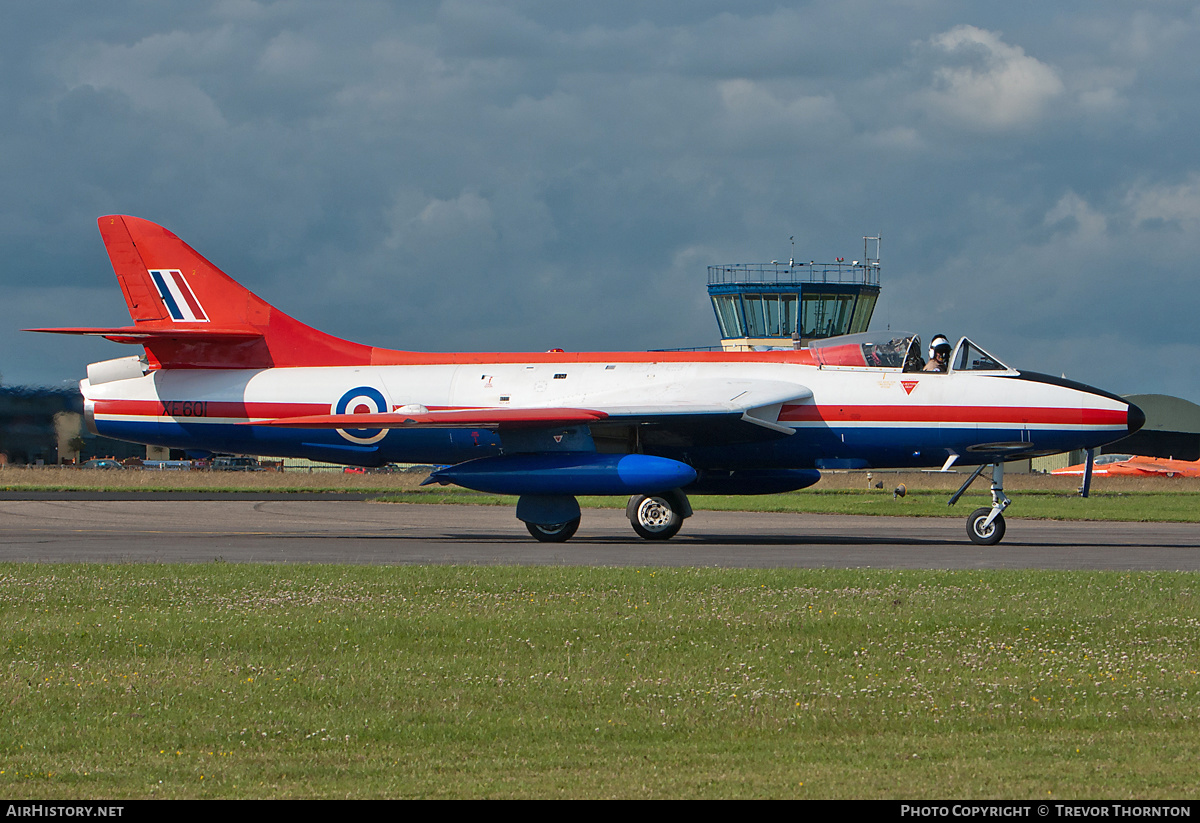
(939, 354)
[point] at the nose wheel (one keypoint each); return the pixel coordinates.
(985, 527)
(983, 530)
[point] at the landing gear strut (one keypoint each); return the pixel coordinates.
(985, 527)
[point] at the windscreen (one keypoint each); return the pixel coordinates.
(970, 357)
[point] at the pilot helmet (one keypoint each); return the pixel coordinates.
(939, 343)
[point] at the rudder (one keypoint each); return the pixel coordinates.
(193, 315)
(164, 280)
(188, 314)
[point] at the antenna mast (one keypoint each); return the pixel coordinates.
(867, 258)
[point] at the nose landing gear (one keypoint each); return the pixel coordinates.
(985, 527)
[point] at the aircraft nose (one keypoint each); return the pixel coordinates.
(1137, 418)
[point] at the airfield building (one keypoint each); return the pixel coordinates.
(44, 426)
(774, 305)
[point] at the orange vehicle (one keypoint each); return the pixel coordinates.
(1132, 465)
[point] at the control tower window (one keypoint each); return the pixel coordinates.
(771, 314)
(862, 313)
(787, 314)
(779, 314)
(756, 325)
(826, 315)
(729, 315)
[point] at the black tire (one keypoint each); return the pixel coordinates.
(990, 536)
(553, 532)
(654, 518)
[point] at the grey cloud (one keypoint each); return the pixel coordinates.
(984, 83)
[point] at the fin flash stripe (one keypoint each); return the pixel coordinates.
(178, 296)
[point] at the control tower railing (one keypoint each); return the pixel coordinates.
(865, 274)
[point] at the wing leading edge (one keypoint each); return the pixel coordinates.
(439, 418)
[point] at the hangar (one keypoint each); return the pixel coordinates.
(1172, 428)
(44, 426)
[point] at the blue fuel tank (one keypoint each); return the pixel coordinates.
(568, 473)
(753, 481)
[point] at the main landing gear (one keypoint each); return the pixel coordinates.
(555, 519)
(660, 516)
(985, 526)
(553, 532)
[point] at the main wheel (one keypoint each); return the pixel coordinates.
(654, 518)
(553, 532)
(988, 535)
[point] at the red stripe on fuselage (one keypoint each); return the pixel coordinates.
(207, 408)
(952, 414)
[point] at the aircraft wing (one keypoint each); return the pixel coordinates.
(756, 402)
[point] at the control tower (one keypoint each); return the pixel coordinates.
(777, 305)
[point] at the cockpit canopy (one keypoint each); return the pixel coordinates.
(876, 350)
(898, 351)
(969, 357)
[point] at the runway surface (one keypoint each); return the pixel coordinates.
(204, 529)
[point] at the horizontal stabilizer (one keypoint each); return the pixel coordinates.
(449, 418)
(139, 334)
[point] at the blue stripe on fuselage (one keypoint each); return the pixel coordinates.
(808, 448)
(437, 446)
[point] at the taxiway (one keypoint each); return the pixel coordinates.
(204, 529)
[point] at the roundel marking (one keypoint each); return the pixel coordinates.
(362, 400)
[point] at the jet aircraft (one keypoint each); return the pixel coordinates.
(225, 371)
(1132, 465)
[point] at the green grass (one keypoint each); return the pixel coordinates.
(314, 681)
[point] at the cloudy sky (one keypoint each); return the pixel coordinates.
(528, 175)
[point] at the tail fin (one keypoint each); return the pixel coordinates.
(190, 314)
